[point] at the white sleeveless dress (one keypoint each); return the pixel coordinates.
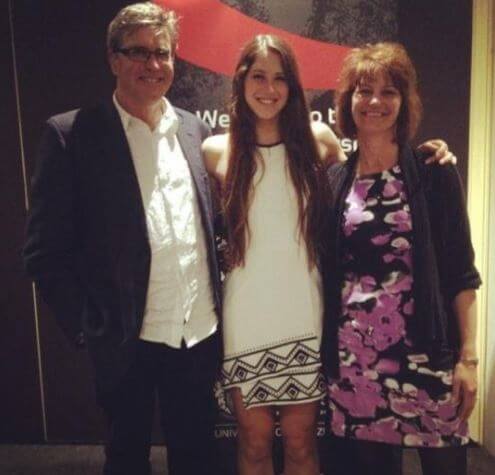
(273, 306)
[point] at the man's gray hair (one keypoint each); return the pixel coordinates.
(138, 15)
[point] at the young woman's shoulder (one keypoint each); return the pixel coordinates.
(214, 150)
(215, 144)
(320, 129)
(327, 141)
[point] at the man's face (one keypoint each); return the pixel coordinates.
(143, 83)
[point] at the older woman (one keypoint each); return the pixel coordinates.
(399, 333)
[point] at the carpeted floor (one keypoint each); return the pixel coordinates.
(87, 460)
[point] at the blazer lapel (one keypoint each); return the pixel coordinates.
(190, 143)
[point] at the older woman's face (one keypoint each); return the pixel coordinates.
(375, 106)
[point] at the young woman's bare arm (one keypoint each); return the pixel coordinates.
(328, 143)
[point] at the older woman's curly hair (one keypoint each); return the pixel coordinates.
(365, 64)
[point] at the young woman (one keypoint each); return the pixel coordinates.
(400, 280)
(270, 167)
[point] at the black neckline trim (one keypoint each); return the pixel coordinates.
(268, 145)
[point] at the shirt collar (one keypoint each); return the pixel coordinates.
(169, 122)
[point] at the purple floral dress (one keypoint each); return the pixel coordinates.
(386, 391)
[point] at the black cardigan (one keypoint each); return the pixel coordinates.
(442, 255)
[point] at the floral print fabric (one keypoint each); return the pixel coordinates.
(386, 391)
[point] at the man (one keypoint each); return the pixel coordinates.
(120, 242)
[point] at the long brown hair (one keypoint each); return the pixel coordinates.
(305, 167)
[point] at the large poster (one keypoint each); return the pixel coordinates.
(212, 33)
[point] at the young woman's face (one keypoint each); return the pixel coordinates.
(265, 87)
(376, 105)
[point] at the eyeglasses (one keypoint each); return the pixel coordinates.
(142, 55)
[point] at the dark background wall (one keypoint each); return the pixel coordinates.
(20, 404)
(437, 35)
(59, 50)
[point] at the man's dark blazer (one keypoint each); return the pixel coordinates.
(87, 246)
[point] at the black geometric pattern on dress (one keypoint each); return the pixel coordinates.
(292, 390)
(299, 356)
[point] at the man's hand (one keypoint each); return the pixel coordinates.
(440, 151)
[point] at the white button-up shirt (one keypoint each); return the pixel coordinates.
(179, 303)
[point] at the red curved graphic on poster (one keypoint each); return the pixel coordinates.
(212, 34)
